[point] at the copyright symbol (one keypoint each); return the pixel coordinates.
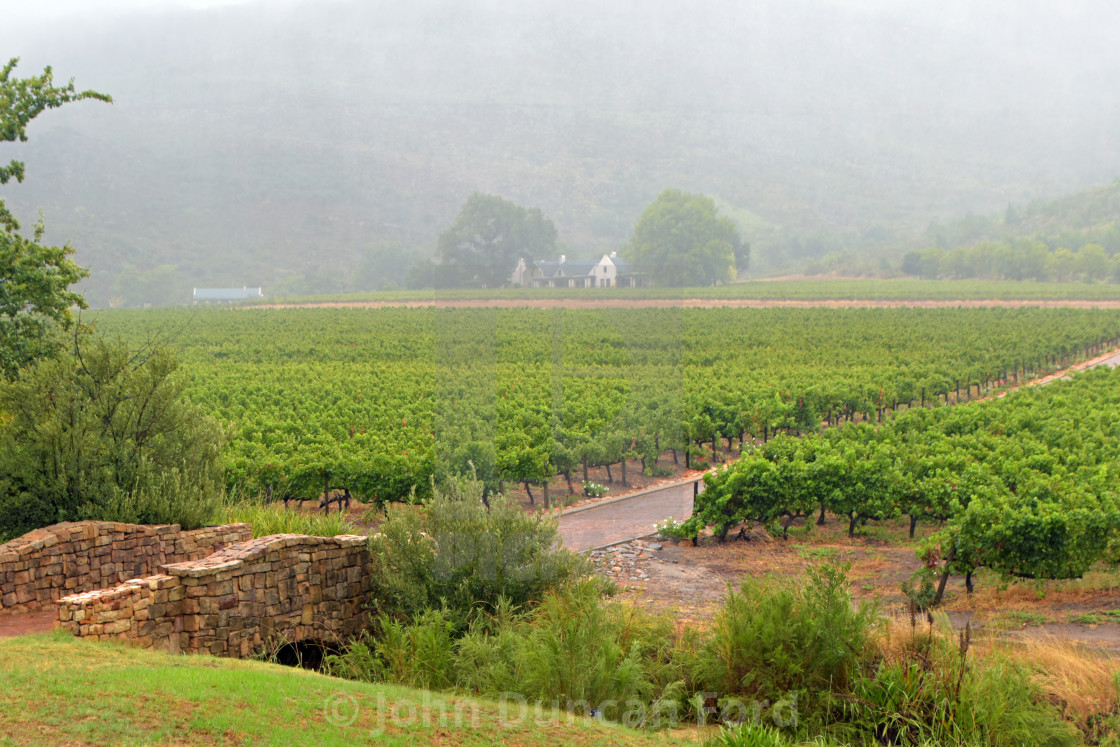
(341, 709)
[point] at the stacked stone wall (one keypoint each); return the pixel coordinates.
(244, 600)
(44, 565)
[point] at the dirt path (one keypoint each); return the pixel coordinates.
(624, 518)
(25, 623)
(697, 303)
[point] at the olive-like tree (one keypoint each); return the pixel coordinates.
(35, 279)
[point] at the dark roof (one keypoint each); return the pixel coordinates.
(548, 269)
(575, 269)
(572, 268)
(622, 265)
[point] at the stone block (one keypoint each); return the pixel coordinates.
(119, 626)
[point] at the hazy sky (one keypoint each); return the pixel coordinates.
(254, 139)
(28, 12)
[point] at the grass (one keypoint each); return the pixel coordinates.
(1098, 617)
(1017, 619)
(994, 593)
(808, 289)
(62, 690)
(816, 553)
(274, 518)
(1085, 684)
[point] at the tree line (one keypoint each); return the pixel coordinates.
(1023, 259)
(679, 240)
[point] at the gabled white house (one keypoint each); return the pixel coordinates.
(609, 272)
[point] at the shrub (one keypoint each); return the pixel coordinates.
(774, 640)
(453, 552)
(106, 433)
(932, 691)
(671, 529)
(594, 489)
(573, 648)
(576, 648)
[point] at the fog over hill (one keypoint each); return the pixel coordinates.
(273, 143)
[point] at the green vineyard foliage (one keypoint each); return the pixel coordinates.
(1026, 485)
(383, 401)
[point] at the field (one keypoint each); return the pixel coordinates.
(802, 289)
(379, 401)
(838, 413)
(688, 581)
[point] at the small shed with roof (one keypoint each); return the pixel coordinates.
(226, 295)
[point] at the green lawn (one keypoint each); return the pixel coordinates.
(57, 689)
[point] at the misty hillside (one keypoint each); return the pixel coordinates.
(277, 144)
(1070, 222)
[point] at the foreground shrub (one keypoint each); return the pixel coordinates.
(932, 690)
(574, 649)
(578, 650)
(455, 554)
(783, 663)
(106, 433)
(776, 640)
(749, 734)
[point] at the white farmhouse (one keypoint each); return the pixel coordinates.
(609, 272)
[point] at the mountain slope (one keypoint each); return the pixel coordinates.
(258, 143)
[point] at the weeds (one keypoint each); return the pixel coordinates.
(1017, 619)
(1098, 617)
(273, 518)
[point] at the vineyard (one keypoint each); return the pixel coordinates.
(815, 289)
(380, 402)
(1024, 485)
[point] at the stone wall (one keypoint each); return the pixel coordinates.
(248, 598)
(42, 566)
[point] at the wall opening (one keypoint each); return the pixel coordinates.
(306, 654)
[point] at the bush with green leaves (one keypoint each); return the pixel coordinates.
(104, 432)
(775, 640)
(751, 734)
(456, 553)
(594, 489)
(935, 692)
(572, 648)
(798, 663)
(672, 530)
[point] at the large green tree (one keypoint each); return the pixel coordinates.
(35, 279)
(681, 240)
(487, 239)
